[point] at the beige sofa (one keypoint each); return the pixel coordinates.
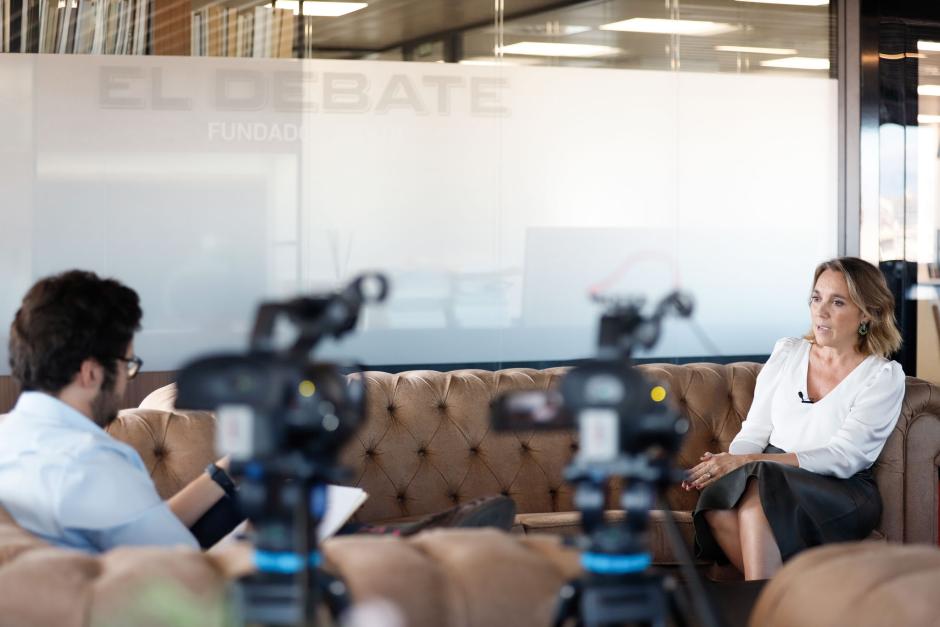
(425, 446)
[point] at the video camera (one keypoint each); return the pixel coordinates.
(617, 412)
(283, 419)
(626, 431)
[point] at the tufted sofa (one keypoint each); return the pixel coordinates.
(427, 445)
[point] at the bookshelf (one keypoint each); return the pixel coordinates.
(141, 27)
(259, 31)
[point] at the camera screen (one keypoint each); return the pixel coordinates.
(527, 410)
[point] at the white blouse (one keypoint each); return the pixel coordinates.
(841, 433)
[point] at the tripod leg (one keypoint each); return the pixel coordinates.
(333, 591)
(676, 601)
(568, 605)
(704, 607)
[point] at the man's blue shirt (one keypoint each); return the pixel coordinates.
(66, 480)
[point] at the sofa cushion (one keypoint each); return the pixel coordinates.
(864, 584)
(14, 540)
(157, 586)
(569, 524)
(47, 586)
(457, 577)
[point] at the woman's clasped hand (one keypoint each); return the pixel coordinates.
(711, 467)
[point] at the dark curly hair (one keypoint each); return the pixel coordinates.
(66, 319)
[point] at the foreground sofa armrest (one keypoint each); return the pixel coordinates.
(863, 584)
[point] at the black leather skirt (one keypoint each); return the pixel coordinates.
(804, 509)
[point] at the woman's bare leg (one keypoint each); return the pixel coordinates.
(727, 533)
(760, 554)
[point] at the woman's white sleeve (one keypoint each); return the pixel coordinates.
(858, 442)
(756, 428)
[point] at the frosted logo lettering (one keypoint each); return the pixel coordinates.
(257, 132)
(122, 87)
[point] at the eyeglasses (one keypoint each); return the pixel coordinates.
(134, 364)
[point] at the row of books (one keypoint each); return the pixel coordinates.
(75, 26)
(259, 32)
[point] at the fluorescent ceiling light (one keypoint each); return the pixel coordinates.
(929, 46)
(754, 50)
(670, 27)
(546, 29)
(801, 3)
(492, 61)
(928, 90)
(317, 8)
(547, 49)
(798, 63)
(924, 118)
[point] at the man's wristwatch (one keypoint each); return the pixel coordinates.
(221, 477)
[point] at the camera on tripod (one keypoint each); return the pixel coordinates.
(626, 431)
(283, 419)
(618, 413)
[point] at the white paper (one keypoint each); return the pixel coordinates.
(341, 503)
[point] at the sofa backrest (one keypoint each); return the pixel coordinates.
(427, 443)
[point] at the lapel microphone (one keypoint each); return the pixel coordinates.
(807, 399)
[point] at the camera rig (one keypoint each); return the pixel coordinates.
(283, 420)
(626, 431)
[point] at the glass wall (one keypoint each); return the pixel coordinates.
(498, 166)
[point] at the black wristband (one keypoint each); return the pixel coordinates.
(221, 477)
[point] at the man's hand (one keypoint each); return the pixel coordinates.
(712, 467)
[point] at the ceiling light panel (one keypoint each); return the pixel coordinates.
(799, 3)
(798, 63)
(755, 50)
(548, 49)
(670, 27)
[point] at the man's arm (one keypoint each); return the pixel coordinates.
(195, 499)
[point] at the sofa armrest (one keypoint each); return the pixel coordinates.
(175, 446)
(906, 471)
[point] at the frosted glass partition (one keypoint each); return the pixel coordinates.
(495, 197)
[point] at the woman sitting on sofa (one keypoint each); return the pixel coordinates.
(799, 472)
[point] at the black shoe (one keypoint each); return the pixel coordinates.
(488, 511)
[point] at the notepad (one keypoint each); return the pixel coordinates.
(341, 503)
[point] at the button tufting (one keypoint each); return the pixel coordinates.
(474, 450)
(422, 451)
(504, 492)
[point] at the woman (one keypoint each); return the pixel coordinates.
(799, 472)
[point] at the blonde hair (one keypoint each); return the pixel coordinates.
(870, 293)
